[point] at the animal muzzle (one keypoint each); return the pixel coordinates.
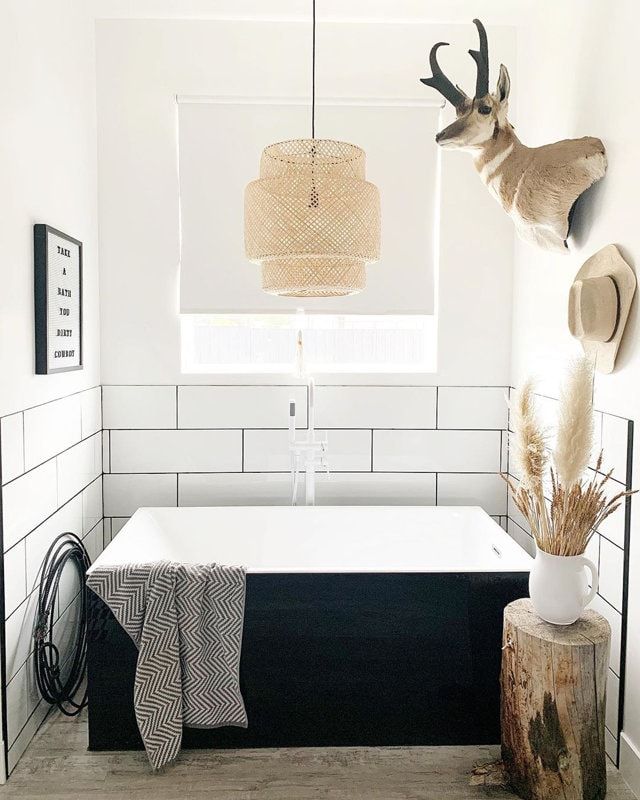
(449, 134)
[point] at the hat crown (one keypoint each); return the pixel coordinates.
(599, 304)
(593, 308)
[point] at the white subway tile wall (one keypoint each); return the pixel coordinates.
(91, 411)
(106, 451)
(376, 406)
(377, 488)
(611, 569)
(436, 451)
(149, 451)
(67, 518)
(139, 407)
(614, 619)
(123, 494)
(233, 489)
(27, 501)
(240, 406)
(613, 695)
(268, 451)
(615, 440)
(607, 549)
(117, 523)
(472, 407)
(524, 539)
(227, 445)
(464, 489)
(52, 483)
(189, 445)
(12, 439)
(79, 466)
(51, 428)
(15, 581)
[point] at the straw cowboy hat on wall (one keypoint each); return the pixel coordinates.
(599, 303)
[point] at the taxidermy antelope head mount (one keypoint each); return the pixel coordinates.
(537, 186)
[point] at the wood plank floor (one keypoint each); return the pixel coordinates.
(57, 765)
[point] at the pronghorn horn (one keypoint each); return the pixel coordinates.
(481, 57)
(439, 80)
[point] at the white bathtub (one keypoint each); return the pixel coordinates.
(362, 625)
(321, 539)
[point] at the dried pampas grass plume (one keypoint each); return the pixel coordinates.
(563, 525)
(574, 440)
(528, 439)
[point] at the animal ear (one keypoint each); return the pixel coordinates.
(504, 84)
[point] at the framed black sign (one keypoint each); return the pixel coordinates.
(58, 300)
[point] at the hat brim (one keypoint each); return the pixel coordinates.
(609, 263)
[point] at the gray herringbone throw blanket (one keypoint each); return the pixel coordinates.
(186, 621)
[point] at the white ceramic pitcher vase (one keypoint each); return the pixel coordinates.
(559, 587)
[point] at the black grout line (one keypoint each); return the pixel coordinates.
(17, 736)
(596, 410)
(102, 432)
(625, 583)
(301, 385)
(305, 427)
(372, 438)
(4, 724)
(24, 443)
(379, 472)
(54, 400)
(611, 542)
(53, 513)
(52, 458)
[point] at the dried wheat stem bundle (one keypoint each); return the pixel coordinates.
(577, 507)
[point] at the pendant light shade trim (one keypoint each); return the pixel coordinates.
(312, 277)
(311, 219)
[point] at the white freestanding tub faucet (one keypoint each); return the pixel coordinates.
(308, 453)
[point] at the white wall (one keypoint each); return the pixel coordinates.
(48, 169)
(51, 453)
(142, 64)
(585, 51)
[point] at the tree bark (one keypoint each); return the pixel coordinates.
(553, 685)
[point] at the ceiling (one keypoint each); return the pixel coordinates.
(501, 12)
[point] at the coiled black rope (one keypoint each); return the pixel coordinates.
(66, 549)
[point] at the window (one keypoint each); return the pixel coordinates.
(254, 343)
(228, 324)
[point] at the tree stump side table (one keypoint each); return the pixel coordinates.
(553, 689)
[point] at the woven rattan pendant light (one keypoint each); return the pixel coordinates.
(311, 220)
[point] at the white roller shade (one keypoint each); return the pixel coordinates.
(220, 143)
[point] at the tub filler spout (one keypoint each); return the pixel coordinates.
(308, 453)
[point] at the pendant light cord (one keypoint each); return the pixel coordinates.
(313, 74)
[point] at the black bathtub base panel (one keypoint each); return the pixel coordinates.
(339, 660)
